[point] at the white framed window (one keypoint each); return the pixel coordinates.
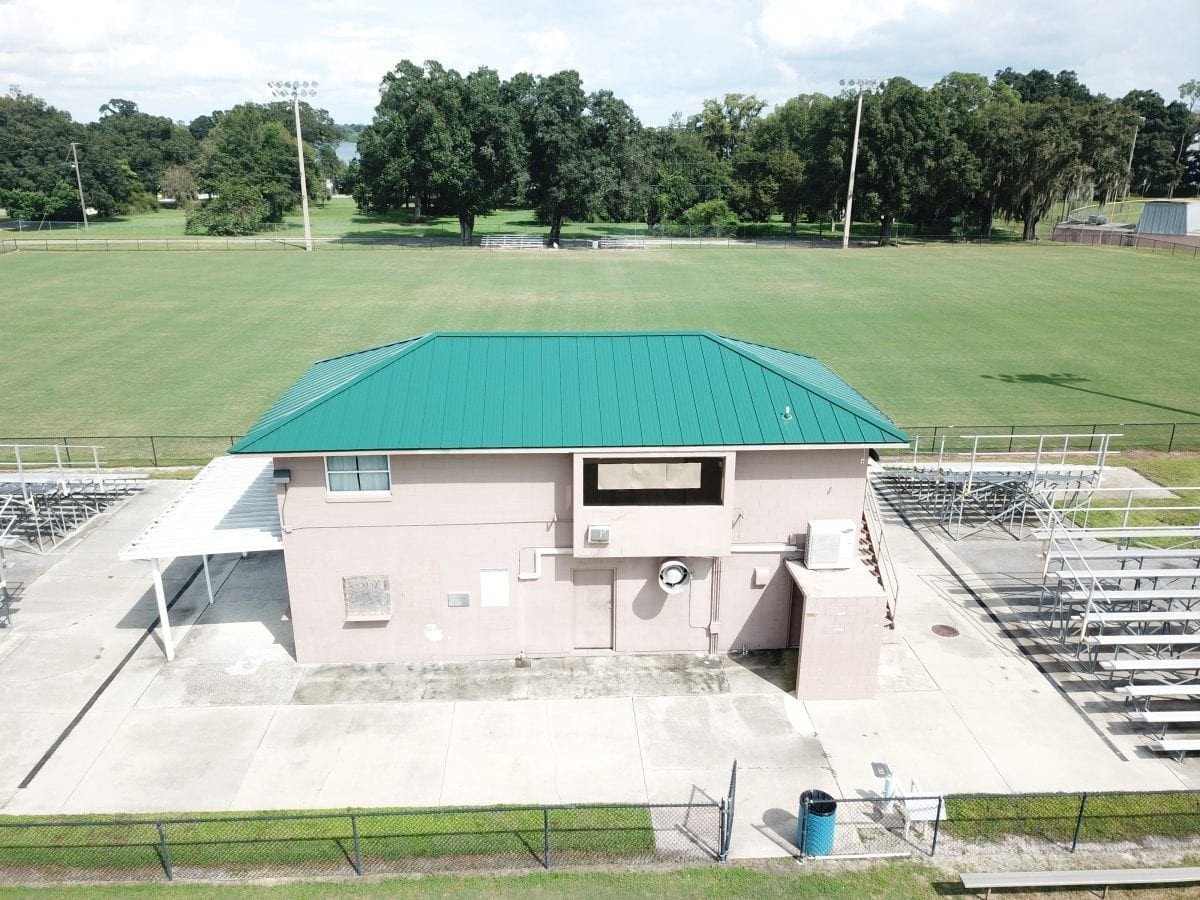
(360, 472)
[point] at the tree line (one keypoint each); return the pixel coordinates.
(957, 155)
(244, 159)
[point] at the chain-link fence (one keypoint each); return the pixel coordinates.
(1166, 436)
(499, 838)
(1069, 821)
(197, 449)
(127, 449)
(1181, 245)
(867, 827)
(962, 824)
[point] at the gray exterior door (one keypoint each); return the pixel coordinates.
(593, 589)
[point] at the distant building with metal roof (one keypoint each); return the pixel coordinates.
(494, 391)
(1176, 217)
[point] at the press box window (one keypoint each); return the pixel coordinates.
(357, 473)
(653, 482)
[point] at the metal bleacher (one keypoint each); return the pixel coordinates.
(49, 491)
(512, 242)
(968, 483)
(1132, 611)
(1119, 600)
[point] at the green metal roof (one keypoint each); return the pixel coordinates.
(464, 391)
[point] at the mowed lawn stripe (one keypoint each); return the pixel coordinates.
(184, 342)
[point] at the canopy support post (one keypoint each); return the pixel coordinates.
(207, 578)
(161, 599)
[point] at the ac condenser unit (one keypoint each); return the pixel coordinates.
(830, 544)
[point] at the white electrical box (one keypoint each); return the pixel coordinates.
(599, 534)
(830, 544)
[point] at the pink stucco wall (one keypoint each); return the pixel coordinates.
(450, 515)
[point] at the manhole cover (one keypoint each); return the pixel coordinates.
(945, 630)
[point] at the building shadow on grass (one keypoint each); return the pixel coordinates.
(1075, 383)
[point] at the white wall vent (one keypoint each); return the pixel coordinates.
(830, 544)
(674, 576)
(599, 534)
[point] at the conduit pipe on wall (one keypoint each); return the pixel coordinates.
(764, 548)
(538, 553)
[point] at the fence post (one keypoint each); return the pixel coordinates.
(546, 837)
(67, 447)
(802, 832)
(721, 827)
(1171, 439)
(358, 867)
(937, 826)
(1079, 821)
(164, 851)
(153, 451)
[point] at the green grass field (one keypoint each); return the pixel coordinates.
(202, 343)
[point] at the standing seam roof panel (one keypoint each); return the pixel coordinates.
(670, 427)
(625, 389)
(590, 429)
(571, 376)
(480, 391)
(610, 399)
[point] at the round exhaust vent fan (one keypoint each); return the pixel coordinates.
(674, 576)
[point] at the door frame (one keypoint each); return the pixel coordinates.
(612, 611)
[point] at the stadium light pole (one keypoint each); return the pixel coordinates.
(79, 184)
(1129, 169)
(294, 90)
(860, 85)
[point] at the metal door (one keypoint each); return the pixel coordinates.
(593, 597)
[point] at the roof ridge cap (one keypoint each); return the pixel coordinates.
(409, 340)
(412, 343)
(791, 379)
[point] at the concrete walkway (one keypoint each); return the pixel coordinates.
(236, 724)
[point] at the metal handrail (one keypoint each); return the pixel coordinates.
(887, 569)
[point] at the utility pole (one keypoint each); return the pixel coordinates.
(79, 184)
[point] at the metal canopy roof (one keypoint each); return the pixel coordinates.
(229, 507)
(454, 391)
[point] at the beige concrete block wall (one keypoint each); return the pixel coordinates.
(779, 491)
(450, 515)
(839, 647)
(752, 617)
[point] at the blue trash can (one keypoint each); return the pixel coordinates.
(818, 815)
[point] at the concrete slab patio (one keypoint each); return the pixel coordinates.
(234, 723)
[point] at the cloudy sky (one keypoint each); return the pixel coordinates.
(182, 59)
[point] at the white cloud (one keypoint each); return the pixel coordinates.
(183, 60)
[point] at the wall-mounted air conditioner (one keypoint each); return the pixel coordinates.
(599, 534)
(830, 544)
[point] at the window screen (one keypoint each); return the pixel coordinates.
(358, 473)
(653, 482)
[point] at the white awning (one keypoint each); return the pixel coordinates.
(229, 507)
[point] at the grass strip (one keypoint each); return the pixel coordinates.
(245, 843)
